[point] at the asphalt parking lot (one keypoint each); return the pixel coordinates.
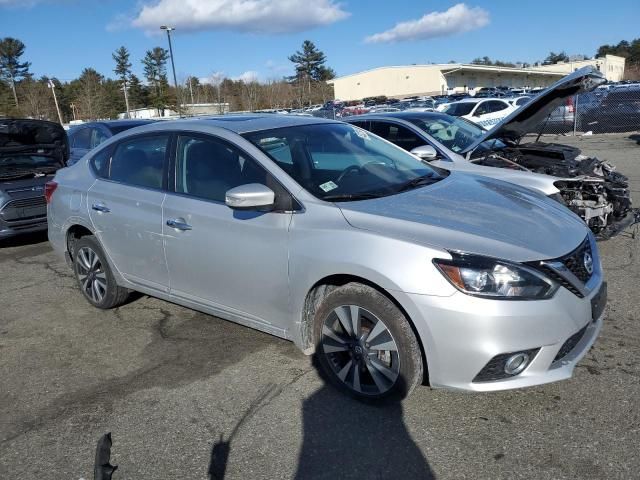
(187, 395)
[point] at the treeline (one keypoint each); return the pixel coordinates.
(94, 96)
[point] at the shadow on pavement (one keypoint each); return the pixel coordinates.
(24, 239)
(635, 137)
(344, 439)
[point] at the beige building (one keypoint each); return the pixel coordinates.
(610, 65)
(436, 79)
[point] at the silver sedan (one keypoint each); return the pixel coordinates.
(324, 234)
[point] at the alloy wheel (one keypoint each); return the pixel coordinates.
(360, 350)
(91, 274)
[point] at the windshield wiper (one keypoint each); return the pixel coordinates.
(345, 197)
(420, 181)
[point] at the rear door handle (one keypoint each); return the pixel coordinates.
(178, 224)
(98, 207)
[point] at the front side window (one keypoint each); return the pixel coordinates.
(97, 137)
(207, 167)
(397, 134)
(459, 109)
(343, 162)
(482, 109)
(82, 138)
(140, 161)
(495, 106)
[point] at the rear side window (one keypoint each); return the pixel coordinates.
(140, 161)
(100, 162)
(397, 134)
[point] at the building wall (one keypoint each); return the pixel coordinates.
(611, 66)
(391, 81)
(404, 81)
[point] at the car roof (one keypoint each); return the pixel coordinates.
(406, 115)
(476, 100)
(237, 123)
(116, 123)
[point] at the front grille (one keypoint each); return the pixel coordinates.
(570, 344)
(575, 261)
(24, 209)
(26, 202)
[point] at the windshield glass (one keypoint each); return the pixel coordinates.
(459, 109)
(16, 162)
(454, 133)
(338, 162)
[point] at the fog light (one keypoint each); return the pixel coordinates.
(516, 363)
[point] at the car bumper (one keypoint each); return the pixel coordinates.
(461, 334)
(16, 228)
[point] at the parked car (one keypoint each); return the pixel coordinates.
(486, 112)
(588, 186)
(88, 136)
(31, 151)
(617, 111)
(318, 232)
(519, 101)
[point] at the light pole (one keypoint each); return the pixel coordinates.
(173, 66)
(52, 86)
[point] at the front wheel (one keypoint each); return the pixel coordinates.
(365, 344)
(94, 276)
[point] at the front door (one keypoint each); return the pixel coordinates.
(231, 260)
(126, 209)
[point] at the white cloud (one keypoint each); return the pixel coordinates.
(248, 76)
(262, 16)
(215, 79)
(459, 18)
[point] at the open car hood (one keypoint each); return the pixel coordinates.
(530, 117)
(36, 137)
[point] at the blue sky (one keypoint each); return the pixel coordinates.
(240, 36)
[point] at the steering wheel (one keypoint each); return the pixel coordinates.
(347, 171)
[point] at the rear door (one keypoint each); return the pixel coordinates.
(125, 206)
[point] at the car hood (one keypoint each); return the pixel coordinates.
(531, 115)
(473, 214)
(37, 137)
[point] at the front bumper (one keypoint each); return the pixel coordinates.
(461, 334)
(23, 215)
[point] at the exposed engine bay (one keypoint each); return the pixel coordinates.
(588, 186)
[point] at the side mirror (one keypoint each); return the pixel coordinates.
(250, 196)
(425, 152)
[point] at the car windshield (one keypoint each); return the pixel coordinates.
(339, 162)
(16, 162)
(456, 134)
(459, 109)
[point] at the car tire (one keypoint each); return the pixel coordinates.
(94, 276)
(383, 361)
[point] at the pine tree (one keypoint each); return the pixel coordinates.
(11, 69)
(155, 70)
(123, 70)
(309, 64)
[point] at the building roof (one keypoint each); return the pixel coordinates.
(447, 68)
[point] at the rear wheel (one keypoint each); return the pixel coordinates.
(365, 344)
(94, 277)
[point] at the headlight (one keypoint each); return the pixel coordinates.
(497, 279)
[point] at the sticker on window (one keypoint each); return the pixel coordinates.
(328, 186)
(361, 133)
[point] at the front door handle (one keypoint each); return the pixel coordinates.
(178, 224)
(98, 207)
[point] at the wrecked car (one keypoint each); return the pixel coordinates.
(31, 152)
(590, 187)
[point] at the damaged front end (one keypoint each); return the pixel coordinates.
(590, 187)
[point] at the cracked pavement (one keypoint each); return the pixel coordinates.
(187, 395)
